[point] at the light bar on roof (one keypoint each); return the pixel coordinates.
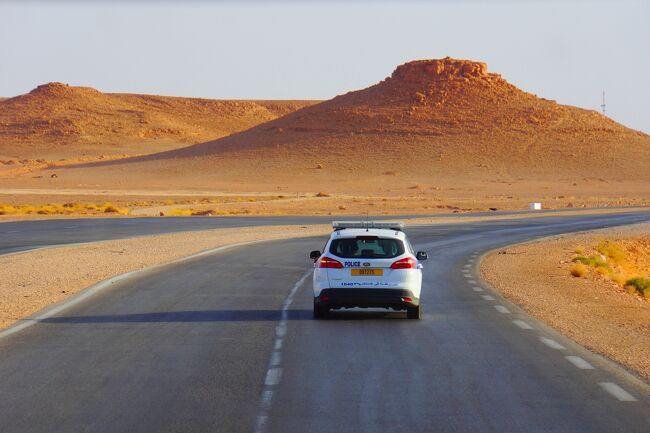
(394, 225)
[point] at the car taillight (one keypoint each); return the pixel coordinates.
(405, 263)
(328, 262)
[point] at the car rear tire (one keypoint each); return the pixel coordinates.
(413, 312)
(320, 312)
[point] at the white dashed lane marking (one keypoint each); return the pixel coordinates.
(274, 371)
(522, 324)
(477, 289)
(616, 391)
(471, 281)
(501, 309)
(487, 297)
(551, 343)
(273, 376)
(579, 362)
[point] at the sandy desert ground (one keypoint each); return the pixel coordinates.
(440, 135)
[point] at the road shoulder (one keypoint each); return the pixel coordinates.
(592, 311)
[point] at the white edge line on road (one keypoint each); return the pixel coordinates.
(522, 324)
(98, 287)
(274, 371)
(551, 343)
(579, 363)
(616, 391)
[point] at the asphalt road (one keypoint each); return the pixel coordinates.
(226, 343)
(25, 235)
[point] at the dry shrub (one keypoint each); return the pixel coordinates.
(7, 209)
(601, 270)
(611, 250)
(618, 279)
(181, 212)
(578, 270)
(579, 250)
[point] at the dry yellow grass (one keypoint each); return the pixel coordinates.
(578, 270)
(618, 279)
(63, 209)
(612, 251)
(601, 270)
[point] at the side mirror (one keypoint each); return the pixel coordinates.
(421, 255)
(314, 255)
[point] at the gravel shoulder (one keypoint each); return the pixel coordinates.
(34, 280)
(592, 311)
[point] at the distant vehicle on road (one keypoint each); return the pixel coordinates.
(367, 264)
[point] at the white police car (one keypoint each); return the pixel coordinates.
(367, 264)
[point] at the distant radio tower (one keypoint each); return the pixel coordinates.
(602, 106)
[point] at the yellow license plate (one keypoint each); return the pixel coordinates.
(367, 272)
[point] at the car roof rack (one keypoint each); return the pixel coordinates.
(390, 225)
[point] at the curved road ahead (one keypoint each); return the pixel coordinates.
(25, 235)
(226, 343)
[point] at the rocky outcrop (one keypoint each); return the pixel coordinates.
(439, 69)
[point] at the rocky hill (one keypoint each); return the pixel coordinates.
(431, 123)
(435, 117)
(56, 119)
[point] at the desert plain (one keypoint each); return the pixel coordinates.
(435, 136)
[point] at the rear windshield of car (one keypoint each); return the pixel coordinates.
(367, 247)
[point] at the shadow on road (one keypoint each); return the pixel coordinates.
(187, 316)
(223, 316)
(364, 314)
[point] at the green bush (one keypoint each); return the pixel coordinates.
(641, 285)
(593, 261)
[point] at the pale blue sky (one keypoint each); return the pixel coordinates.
(568, 51)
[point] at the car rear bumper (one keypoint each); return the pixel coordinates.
(397, 299)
